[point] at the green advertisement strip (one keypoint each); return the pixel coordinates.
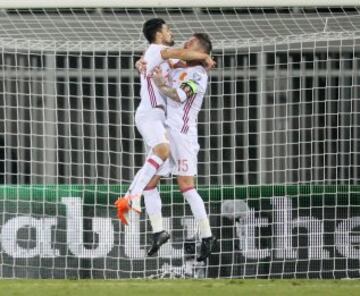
(107, 194)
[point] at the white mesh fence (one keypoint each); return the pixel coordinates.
(279, 137)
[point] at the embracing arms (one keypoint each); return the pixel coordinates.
(187, 55)
(186, 90)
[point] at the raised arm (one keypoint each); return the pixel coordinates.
(187, 55)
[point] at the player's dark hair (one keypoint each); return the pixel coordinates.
(152, 26)
(205, 41)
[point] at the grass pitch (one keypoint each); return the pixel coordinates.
(178, 287)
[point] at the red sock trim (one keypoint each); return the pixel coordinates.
(153, 163)
(149, 188)
(187, 189)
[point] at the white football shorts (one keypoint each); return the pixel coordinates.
(150, 125)
(184, 151)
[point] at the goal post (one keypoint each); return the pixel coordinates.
(279, 136)
(167, 4)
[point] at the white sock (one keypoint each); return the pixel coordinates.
(136, 202)
(198, 209)
(153, 208)
(205, 230)
(144, 175)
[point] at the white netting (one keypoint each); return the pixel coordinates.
(71, 29)
(279, 136)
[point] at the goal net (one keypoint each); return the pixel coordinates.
(279, 131)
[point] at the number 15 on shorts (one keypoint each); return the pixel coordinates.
(183, 165)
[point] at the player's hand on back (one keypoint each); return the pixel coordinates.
(140, 65)
(158, 77)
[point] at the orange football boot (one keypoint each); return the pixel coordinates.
(123, 208)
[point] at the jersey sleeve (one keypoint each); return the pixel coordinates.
(201, 78)
(153, 57)
(196, 82)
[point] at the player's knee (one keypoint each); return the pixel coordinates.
(185, 182)
(162, 150)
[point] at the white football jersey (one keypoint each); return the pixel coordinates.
(150, 95)
(183, 116)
